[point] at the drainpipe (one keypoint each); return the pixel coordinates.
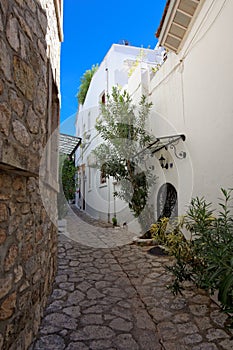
(107, 78)
(114, 200)
(108, 199)
(106, 69)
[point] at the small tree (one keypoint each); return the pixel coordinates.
(68, 178)
(122, 127)
(85, 83)
(67, 182)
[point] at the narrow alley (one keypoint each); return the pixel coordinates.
(116, 297)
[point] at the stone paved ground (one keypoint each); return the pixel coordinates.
(116, 298)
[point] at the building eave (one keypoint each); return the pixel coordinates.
(59, 14)
(176, 22)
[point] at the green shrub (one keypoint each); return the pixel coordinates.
(168, 233)
(69, 181)
(85, 83)
(159, 230)
(114, 221)
(207, 258)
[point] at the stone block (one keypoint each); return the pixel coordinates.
(19, 157)
(19, 235)
(39, 235)
(31, 184)
(42, 50)
(23, 45)
(18, 271)
(20, 2)
(19, 184)
(33, 121)
(42, 20)
(24, 301)
(25, 208)
(41, 101)
(3, 212)
(1, 87)
(5, 181)
(31, 4)
(5, 60)
(5, 118)
(25, 78)
(20, 132)
(16, 103)
(33, 24)
(26, 251)
(2, 235)
(34, 59)
(5, 285)
(11, 257)
(4, 5)
(4, 197)
(25, 28)
(1, 23)
(12, 32)
(8, 306)
(37, 276)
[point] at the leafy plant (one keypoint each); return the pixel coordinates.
(168, 233)
(156, 68)
(68, 178)
(85, 83)
(122, 127)
(114, 221)
(67, 184)
(208, 258)
(158, 230)
(139, 58)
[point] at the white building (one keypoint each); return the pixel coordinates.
(192, 108)
(192, 95)
(123, 66)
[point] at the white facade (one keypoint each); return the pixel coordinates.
(192, 94)
(122, 66)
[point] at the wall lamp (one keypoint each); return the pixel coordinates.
(163, 162)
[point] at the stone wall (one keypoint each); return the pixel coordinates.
(29, 104)
(27, 257)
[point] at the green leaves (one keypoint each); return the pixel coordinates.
(85, 83)
(68, 178)
(122, 127)
(225, 294)
(210, 262)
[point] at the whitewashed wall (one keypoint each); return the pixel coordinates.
(192, 94)
(118, 62)
(53, 36)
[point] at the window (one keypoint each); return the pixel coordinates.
(103, 98)
(103, 175)
(102, 178)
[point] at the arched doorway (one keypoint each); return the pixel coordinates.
(167, 201)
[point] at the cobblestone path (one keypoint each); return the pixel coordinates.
(116, 298)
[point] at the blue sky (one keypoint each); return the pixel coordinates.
(90, 28)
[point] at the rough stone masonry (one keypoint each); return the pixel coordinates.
(29, 104)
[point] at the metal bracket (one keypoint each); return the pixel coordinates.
(181, 154)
